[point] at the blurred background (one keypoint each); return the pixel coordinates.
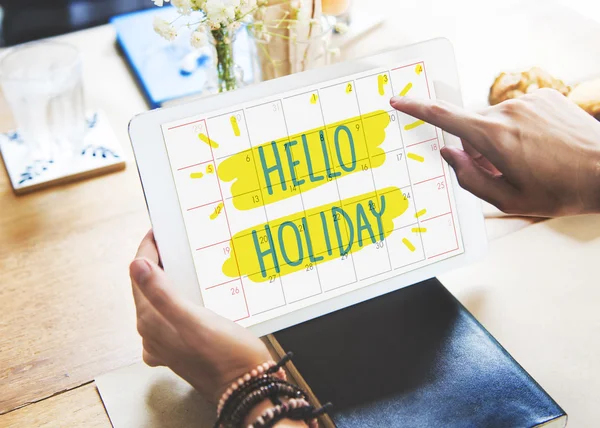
(26, 20)
(64, 249)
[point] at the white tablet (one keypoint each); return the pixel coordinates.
(296, 197)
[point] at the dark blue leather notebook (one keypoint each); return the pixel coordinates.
(415, 358)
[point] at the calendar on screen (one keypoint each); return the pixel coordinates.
(298, 198)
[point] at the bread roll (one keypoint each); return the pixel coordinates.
(514, 85)
(587, 96)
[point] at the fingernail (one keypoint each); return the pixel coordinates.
(395, 100)
(140, 270)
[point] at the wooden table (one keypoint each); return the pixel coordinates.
(66, 311)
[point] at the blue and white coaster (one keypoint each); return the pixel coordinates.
(100, 154)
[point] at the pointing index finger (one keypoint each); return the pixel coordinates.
(450, 118)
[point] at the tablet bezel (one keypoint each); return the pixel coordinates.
(167, 218)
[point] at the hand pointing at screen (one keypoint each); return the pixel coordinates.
(539, 155)
(536, 155)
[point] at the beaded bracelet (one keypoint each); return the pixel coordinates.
(268, 380)
(238, 402)
(245, 389)
(250, 401)
(282, 411)
(241, 402)
(269, 367)
(296, 410)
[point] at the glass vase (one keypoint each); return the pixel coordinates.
(228, 74)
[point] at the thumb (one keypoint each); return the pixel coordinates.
(155, 286)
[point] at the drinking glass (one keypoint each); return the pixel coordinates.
(42, 84)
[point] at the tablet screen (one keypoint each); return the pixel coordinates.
(298, 198)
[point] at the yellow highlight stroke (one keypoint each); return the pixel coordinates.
(407, 88)
(380, 84)
(408, 244)
(196, 175)
(235, 126)
(304, 161)
(414, 125)
(217, 211)
(420, 213)
(318, 235)
(415, 157)
(419, 69)
(314, 98)
(419, 229)
(204, 138)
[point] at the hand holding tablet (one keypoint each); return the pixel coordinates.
(296, 197)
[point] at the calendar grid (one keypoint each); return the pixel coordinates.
(279, 194)
(179, 200)
(222, 283)
(204, 205)
(412, 189)
(302, 202)
(371, 167)
(408, 65)
(430, 179)
(186, 124)
(269, 310)
(230, 234)
(336, 183)
(423, 142)
(437, 216)
(196, 164)
(264, 208)
(441, 254)
(212, 245)
(444, 170)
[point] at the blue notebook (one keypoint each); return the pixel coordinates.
(415, 358)
(162, 68)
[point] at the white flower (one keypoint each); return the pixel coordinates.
(184, 7)
(246, 7)
(199, 38)
(234, 26)
(198, 4)
(159, 3)
(164, 29)
(339, 27)
(221, 12)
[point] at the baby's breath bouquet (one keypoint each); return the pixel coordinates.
(220, 19)
(267, 20)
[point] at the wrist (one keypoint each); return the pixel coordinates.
(264, 398)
